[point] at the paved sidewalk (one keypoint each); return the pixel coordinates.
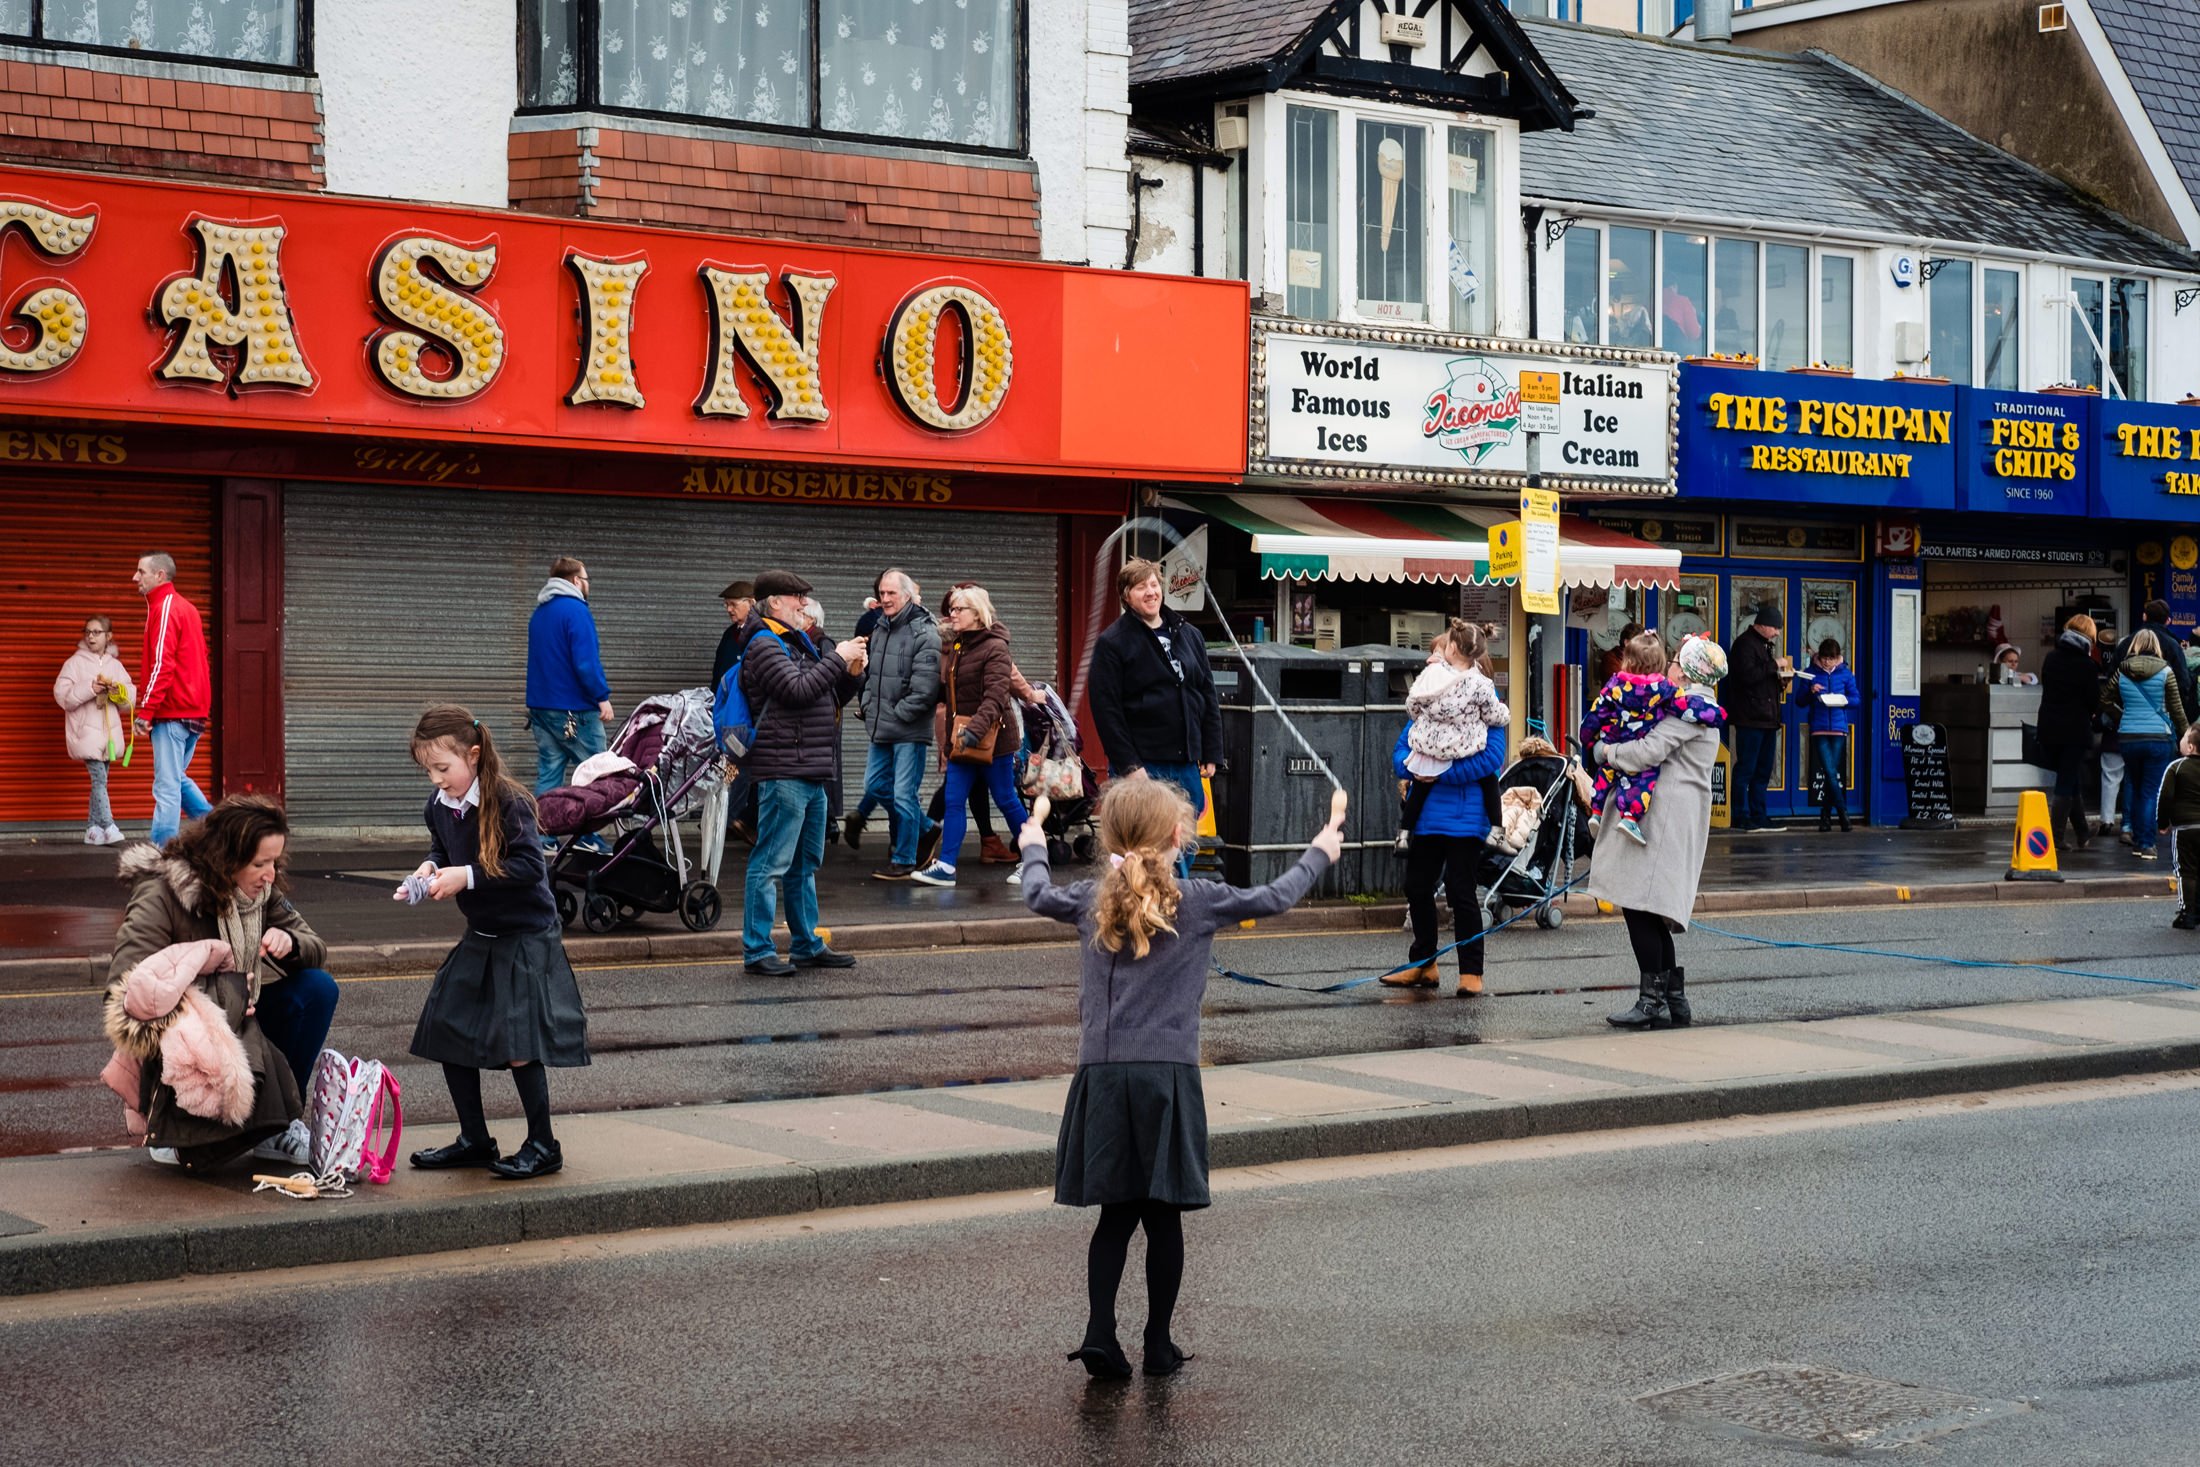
(112, 1217)
(63, 904)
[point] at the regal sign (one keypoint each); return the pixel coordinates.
(128, 300)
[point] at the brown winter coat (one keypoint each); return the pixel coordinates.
(978, 680)
(169, 904)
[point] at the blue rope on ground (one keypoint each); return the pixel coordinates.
(1874, 952)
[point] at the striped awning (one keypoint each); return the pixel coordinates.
(1397, 540)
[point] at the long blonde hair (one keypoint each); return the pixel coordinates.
(1141, 820)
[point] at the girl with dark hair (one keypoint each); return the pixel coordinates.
(1829, 689)
(221, 877)
(505, 998)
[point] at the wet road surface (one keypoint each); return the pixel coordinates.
(673, 1035)
(1500, 1304)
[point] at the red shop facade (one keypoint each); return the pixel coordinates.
(364, 429)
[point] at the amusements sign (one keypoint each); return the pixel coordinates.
(1425, 408)
(1925, 778)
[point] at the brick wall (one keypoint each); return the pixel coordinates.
(80, 117)
(744, 187)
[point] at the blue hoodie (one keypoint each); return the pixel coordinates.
(564, 664)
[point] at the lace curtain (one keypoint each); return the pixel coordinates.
(938, 70)
(740, 59)
(231, 30)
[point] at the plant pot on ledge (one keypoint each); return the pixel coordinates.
(2188, 402)
(1748, 364)
(1822, 371)
(1921, 381)
(2071, 391)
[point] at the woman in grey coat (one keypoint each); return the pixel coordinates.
(1654, 884)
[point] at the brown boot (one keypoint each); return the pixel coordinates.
(993, 851)
(1470, 984)
(1424, 976)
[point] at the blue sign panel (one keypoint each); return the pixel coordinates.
(2023, 452)
(2148, 457)
(1786, 438)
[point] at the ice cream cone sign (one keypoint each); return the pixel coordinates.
(1390, 163)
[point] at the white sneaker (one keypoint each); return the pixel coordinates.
(939, 873)
(1016, 877)
(114, 835)
(164, 1155)
(95, 835)
(293, 1146)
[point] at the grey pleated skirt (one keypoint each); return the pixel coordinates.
(498, 1001)
(1133, 1131)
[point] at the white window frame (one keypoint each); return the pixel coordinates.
(2104, 345)
(1814, 351)
(1818, 258)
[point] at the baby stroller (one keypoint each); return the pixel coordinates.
(1532, 877)
(666, 766)
(1054, 766)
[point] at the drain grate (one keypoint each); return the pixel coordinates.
(1811, 1405)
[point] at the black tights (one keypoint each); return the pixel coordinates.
(1652, 938)
(534, 1098)
(1111, 1246)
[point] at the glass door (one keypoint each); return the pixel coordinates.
(1828, 615)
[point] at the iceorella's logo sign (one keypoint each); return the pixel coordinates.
(1476, 412)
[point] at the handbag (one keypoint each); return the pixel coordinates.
(982, 751)
(2028, 746)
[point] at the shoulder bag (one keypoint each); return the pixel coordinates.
(982, 751)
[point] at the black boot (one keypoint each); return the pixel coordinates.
(1649, 1011)
(1841, 808)
(1825, 818)
(1675, 985)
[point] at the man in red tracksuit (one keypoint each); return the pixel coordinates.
(175, 693)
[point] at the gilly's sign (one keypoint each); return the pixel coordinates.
(129, 300)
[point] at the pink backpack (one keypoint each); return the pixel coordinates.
(351, 1102)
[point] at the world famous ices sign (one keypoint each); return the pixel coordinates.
(1329, 403)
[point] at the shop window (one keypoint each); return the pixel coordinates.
(1685, 302)
(1948, 308)
(1584, 284)
(1787, 307)
(1631, 279)
(254, 32)
(1470, 263)
(2127, 336)
(928, 72)
(1391, 161)
(2001, 325)
(1837, 310)
(1734, 297)
(2088, 330)
(1310, 191)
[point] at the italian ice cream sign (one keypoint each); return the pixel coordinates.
(1338, 406)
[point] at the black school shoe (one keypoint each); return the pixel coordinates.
(824, 957)
(1103, 1360)
(774, 966)
(461, 1152)
(1163, 1357)
(533, 1159)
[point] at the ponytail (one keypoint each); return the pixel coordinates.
(452, 725)
(1141, 821)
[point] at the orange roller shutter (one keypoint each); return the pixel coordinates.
(66, 552)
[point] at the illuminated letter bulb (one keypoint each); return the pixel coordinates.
(987, 358)
(195, 307)
(449, 315)
(607, 291)
(57, 315)
(744, 325)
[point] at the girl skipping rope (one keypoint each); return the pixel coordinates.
(505, 997)
(1134, 1131)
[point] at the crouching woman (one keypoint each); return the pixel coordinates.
(217, 1002)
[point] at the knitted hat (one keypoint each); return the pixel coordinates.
(1770, 617)
(781, 583)
(1701, 661)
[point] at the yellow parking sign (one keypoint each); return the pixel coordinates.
(1505, 551)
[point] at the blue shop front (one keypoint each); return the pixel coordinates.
(1921, 526)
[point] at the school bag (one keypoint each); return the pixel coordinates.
(352, 1101)
(731, 716)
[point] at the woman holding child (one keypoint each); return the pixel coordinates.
(1652, 876)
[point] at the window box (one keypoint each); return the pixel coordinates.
(2067, 390)
(1722, 361)
(1822, 371)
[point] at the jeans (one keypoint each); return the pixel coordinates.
(174, 742)
(790, 846)
(295, 1013)
(2145, 761)
(1000, 778)
(891, 777)
(101, 813)
(556, 756)
(1755, 752)
(1186, 778)
(1831, 754)
(2112, 784)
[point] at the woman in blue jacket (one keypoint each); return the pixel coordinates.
(1447, 846)
(1830, 691)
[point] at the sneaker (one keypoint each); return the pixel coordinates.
(95, 835)
(294, 1146)
(2142, 854)
(1632, 831)
(893, 871)
(163, 1155)
(928, 846)
(114, 835)
(851, 831)
(1016, 877)
(939, 873)
(2123, 837)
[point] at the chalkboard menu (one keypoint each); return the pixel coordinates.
(1925, 778)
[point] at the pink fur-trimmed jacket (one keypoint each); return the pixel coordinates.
(91, 724)
(159, 1011)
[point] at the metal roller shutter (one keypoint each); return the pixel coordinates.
(399, 598)
(71, 549)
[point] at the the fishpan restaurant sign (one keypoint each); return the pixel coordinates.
(128, 300)
(1420, 407)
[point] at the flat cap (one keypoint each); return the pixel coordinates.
(781, 583)
(739, 591)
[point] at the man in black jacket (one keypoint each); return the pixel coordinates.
(1153, 694)
(794, 692)
(1753, 692)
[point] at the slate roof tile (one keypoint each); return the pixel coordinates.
(1724, 131)
(2158, 42)
(1175, 39)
